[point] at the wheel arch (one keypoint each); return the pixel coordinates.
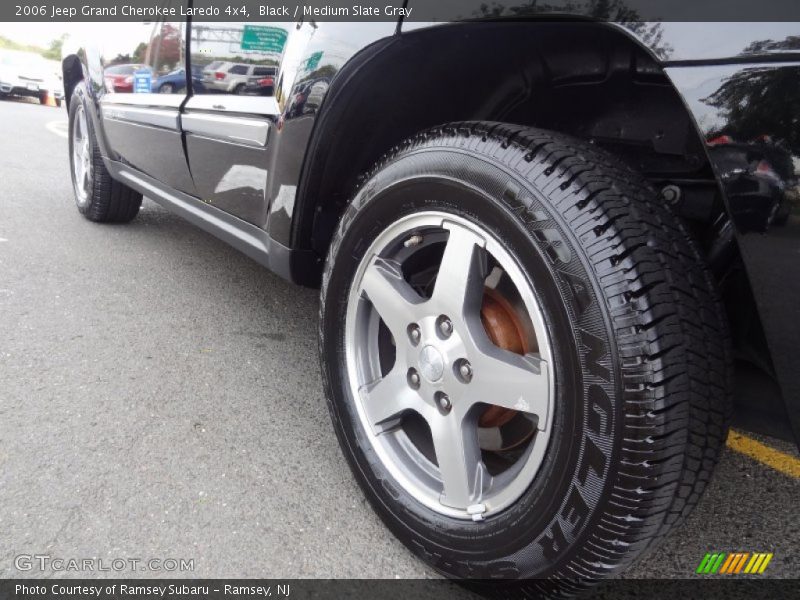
(72, 71)
(592, 80)
(531, 73)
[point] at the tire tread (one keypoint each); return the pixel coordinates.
(667, 318)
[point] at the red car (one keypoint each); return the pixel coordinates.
(119, 78)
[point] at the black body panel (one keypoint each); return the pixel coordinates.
(755, 153)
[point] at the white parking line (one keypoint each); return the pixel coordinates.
(58, 127)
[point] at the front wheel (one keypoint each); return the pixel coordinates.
(98, 196)
(524, 357)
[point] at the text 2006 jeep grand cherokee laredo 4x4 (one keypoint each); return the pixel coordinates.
(549, 253)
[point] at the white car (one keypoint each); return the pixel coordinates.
(230, 77)
(28, 74)
(57, 80)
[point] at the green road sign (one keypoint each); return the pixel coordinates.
(312, 62)
(257, 38)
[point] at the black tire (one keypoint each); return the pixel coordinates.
(166, 88)
(239, 89)
(58, 102)
(642, 354)
(108, 200)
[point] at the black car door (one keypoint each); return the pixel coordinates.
(141, 125)
(229, 122)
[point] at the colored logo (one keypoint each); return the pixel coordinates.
(734, 563)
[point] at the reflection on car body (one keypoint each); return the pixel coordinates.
(233, 78)
(262, 83)
(175, 81)
(316, 92)
(119, 78)
(760, 176)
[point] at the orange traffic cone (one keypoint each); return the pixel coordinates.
(51, 99)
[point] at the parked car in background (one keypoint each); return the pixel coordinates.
(175, 81)
(316, 93)
(262, 83)
(297, 101)
(57, 87)
(232, 78)
(28, 74)
(119, 78)
(760, 172)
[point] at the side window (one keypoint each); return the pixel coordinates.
(264, 72)
(237, 58)
(153, 64)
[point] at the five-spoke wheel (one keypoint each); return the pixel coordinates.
(434, 388)
(81, 157)
(99, 196)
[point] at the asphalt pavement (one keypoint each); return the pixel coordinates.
(160, 398)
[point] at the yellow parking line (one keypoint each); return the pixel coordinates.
(780, 461)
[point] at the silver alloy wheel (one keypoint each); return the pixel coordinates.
(445, 368)
(81, 157)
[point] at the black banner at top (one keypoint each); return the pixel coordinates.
(395, 10)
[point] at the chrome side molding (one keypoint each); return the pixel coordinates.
(165, 118)
(238, 130)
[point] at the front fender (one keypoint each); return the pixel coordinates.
(82, 64)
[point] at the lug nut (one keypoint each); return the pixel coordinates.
(413, 378)
(443, 402)
(445, 326)
(414, 333)
(464, 370)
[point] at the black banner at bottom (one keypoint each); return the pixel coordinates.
(416, 589)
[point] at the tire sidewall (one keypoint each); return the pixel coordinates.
(78, 101)
(544, 528)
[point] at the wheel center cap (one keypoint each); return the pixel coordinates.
(431, 363)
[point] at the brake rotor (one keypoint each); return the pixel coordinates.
(505, 330)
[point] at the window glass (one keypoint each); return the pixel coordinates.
(238, 58)
(148, 58)
(263, 71)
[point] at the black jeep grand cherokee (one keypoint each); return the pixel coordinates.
(553, 255)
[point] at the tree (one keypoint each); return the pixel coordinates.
(140, 53)
(54, 51)
(760, 101)
(9, 44)
(120, 59)
(165, 48)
